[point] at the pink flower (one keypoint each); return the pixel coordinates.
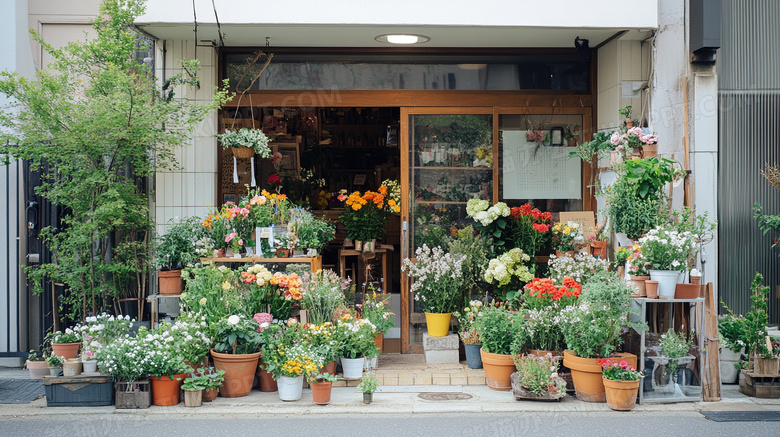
(615, 139)
(230, 237)
(623, 364)
(553, 375)
(241, 242)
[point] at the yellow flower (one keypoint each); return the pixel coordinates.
(226, 285)
(397, 208)
(202, 301)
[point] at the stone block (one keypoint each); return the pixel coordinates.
(441, 380)
(391, 380)
(406, 380)
(449, 342)
(441, 356)
(476, 380)
(459, 380)
(422, 380)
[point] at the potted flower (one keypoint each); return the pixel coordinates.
(55, 364)
(665, 253)
(674, 352)
(544, 302)
(592, 329)
(509, 271)
(122, 359)
(437, 281)
(175, 250)
(566, 237)
(365, 215)
(235, 245)
(289, 359)
(375, 309)
(621, 384)
(637, 272)
(622, 256)
(523, 227)
(236, 352)
(322, 295)
(313, 234)
(468, 333)
(245, 142)
(498, 328)
(37, 365)
(321, 386)
(368, 385)
(64, 344)
(581, 267)
(164, 365)
(355, 338)
(537, 378)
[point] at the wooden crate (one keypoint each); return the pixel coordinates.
(139, 398)
(77, 391)
(760, 386)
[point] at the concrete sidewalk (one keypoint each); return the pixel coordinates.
(391, 400)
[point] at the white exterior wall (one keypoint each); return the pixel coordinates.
(619, 60)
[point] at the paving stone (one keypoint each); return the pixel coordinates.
(405, 380)
(390, 380)
(459, 380)
(476, 380)
(340, 383)
(422, 380)
(441, 380)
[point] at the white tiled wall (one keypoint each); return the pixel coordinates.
(190, 190)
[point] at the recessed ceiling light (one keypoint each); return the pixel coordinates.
(402, 39)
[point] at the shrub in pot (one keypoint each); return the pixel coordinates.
(237, 353)
(592, 330)
(176, 249)
(498, 327)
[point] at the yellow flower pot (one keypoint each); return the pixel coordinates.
(438, 324)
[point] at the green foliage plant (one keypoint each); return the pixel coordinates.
(539, 375)
(475, 249)
(95, 124)
(757, 319)
(498, 327)
(176, 248)
(368, 384)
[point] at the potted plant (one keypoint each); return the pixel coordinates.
(523, 227)
(324, 295)
(55, 364)
(674, 353)
(37, 365)
(122, 359)
(498, 327)
(760, 349)
(236, 352)
(469, 334)
(571, 133)
(567, 237)
(164, 365)
(665, 253)
(175, 250)
(436, 287)
(375, 309)
(64, 344)
(537, 378)
(212, 380)
(592, 330)
(365, 215)
(193, 387)
(637, 271)
(355, 340)
(544, 302)
(320, 338)
(321, 387)
(509, 271)
(621, 384)
(245, 142)
(313, 233)
(732, 338)
(368, 385)
(580, 268)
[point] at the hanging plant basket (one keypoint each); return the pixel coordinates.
(243, 152)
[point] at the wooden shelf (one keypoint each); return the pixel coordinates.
(455, 168)
(444, 202)
(353, 126)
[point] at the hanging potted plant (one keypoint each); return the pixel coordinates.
(437, 286)
(621, 384)
(236, 352)
(245, 142)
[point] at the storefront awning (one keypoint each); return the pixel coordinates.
(354, 23)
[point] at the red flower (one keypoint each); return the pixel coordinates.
(274, 179)
(515, 212)
(526, 209)
(540, 227)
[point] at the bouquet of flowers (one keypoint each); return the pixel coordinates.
(365, 215)
(524, 227)
(437, 279)
(581, 267)
(508, 271)
(566, 237)
(468, 332)
(664, 249)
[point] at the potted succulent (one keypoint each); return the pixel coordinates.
(55, 364)
(368, 385)
(175, 250)
(621, 384)
(437, 280)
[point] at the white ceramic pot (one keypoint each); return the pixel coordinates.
(290, 388)
(667, 282)
(90, 366)
(353, 367)
(728, 358)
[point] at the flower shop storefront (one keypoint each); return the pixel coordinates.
(445, 147)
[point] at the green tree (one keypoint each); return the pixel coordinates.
(96, 123)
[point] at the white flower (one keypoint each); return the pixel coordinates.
(233, 320)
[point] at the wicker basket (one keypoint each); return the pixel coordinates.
(243, 152)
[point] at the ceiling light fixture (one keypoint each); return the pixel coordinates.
(406, 39)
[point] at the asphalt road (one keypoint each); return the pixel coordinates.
(656, 424)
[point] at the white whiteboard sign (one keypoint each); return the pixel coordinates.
(539, 172)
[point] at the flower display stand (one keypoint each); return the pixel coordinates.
(760, 386)
(441, 350)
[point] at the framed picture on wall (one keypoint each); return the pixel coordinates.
(291, 158)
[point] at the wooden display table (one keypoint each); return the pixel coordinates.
(314, 262)
(382, 250)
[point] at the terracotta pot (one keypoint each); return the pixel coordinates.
(320, 392)
(329, 368)
(598, 248)
(571, 142)
(629, 358)
(687, 291)
(193, 398)
(38, 369)
(67, 350)
(559, 254)
(438, 324)
(267, 381)
(651, 288)
(282, 253)
(209, 395)
(498, 368)
(649, 150)
(379, 341)
(166, 392)
(169, 282)
(239, 372)
(695, 279)
(621, 395)
(639, 284)
(586, 373)
(541, 353)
